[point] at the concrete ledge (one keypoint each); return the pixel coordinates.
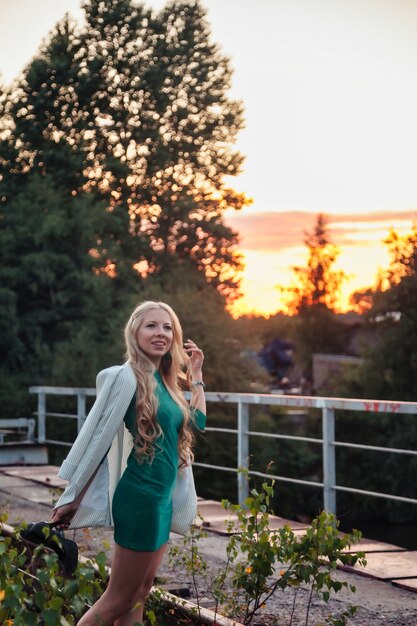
(388, 566)
(22, 453)
(44, 474)
(410, 584)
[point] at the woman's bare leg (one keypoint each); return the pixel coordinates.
(131, 578)
(135, 616)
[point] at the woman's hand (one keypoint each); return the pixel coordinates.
(198, 400)
(196, 359)
(63, 515)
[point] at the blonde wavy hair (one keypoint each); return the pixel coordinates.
(174, 370)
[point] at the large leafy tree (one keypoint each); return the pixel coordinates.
(142, 100)
(180, 197)
(114, 148)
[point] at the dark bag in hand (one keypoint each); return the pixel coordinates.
(43, 533)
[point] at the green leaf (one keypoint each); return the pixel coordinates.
(39, 599)
(51, 617)
(56, 603)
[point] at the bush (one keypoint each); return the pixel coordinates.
(260, 561)
(35, 592)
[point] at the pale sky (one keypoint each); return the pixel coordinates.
(330, 92)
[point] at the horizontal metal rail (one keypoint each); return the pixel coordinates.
(56, 442)
(243, 402)
(287, 479)
(214, 429)
(64, 391)
(22, 426)
(221, 468)
(361, 446)
(376, 494)
(255, 433)
(66, 415)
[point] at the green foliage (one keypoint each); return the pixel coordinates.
(260, 561)
(388, 372)
(376, 471)
(133, 109)
(188, 558)
(56, 307)
(34, 591)
(390, 366)
(293, 459)
(317, 329)
(114, 147)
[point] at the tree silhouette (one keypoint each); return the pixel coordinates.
(389, 371)
(115, 145)
(390, 368)
(403, 255)
(134, 108)
(313, 299)
(317, 284)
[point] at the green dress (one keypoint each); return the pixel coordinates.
(142, 503)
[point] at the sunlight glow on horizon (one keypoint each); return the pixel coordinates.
(268, 271)
(330, 96)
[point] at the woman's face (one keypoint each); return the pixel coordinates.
(155, 334)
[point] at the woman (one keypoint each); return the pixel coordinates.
(141, 399)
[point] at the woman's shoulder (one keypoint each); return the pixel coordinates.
(116, 371)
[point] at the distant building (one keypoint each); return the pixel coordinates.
(329, 367)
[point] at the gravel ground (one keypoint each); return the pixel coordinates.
(379, 603)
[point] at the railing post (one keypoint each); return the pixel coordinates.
(41, 417)
(80, 410)
(329, 461)
(242, 450)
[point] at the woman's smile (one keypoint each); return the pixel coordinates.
(155, 335)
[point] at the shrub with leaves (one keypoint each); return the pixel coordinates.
(261, 561)
(34, 591)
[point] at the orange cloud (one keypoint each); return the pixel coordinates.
(270, 230)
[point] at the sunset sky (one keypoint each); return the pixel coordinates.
(330, 93)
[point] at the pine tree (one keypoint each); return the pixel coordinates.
(317, 284)
(313, 299)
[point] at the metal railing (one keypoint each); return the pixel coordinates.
(243, 402)
(22, 427)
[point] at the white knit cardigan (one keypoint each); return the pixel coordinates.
(103, 436)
